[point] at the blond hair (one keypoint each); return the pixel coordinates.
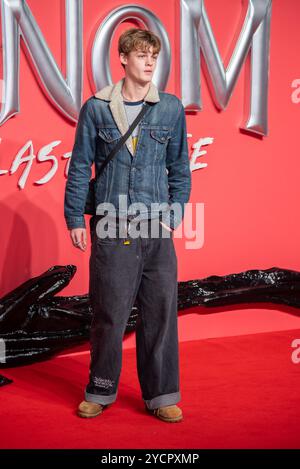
(138, 39)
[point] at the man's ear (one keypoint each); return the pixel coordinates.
(123, 58)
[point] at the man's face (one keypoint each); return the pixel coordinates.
(140, 64)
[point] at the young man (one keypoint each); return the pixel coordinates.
(151, 169)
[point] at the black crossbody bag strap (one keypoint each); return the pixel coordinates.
(124, 138)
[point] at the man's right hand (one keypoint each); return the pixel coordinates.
(78, 236)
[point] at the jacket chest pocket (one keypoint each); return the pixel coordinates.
(161, 135)
(109, 134)
(160, 139)
(107, 139)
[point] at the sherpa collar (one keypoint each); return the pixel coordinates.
(112, 93)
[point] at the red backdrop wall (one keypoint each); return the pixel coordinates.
(250, 188)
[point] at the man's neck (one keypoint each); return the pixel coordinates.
(132, 91)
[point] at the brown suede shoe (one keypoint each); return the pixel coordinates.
(90, 409)
(169, 413)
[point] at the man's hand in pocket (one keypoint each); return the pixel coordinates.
(166, 226)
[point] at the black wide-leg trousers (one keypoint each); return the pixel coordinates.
(142, 270)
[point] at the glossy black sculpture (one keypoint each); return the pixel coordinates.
(35, 324)
(4, 380)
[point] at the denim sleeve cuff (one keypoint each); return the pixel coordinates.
(75, 222)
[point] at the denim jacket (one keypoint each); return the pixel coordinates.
(157, 173)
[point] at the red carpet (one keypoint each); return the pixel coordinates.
(237, 392)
